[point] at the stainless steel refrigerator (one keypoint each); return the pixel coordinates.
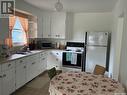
(96, 50)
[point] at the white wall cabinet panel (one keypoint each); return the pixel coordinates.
(54, 25)
(46, 29)
(33, 30)
(58, 25)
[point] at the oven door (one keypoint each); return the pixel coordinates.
(74, 60)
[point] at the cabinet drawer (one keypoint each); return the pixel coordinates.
(8, 65)
(21, 62)
(43, 54)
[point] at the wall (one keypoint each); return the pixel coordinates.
(20, 4)
(119, 68)
(123, 61)
(3, 29)
(91, 22)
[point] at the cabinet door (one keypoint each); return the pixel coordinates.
(46, 23)
(53, 60)
(58, 25)
(32, 68)
(20, 73)
(8, 81)
(0, 83)
(33, 29)
(43, 61)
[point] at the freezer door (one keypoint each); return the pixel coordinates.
(95, 55)
(97, 38)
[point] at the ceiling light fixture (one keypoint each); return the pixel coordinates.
(58, 6)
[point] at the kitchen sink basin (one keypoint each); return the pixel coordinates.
(24, 53)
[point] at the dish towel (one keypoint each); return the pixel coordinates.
(69, 56)
(74, 59)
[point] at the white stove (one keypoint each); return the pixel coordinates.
(72, 57)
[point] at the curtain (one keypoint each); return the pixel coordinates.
(24, 23)
(8, 41)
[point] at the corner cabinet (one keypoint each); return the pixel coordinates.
(54, 25)
(54, 59)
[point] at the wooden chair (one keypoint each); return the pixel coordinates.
(99, 70)
(53, 72)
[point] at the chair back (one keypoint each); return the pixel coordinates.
(52, 72)
(99, 70)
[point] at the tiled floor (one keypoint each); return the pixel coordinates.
(38, 86)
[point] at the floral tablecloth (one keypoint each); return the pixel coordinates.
(82, 83)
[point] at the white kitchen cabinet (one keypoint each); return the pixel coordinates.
(8, 78)
(54, 25)
(43, 61)
(58, 25)
(20, 72)
(46, 23)
(0, 81)
(32, 27)
(54, 59)
(32, 67)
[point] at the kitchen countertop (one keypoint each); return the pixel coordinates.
(17, 56)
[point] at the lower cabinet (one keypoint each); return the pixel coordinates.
(20, 72)
(54, 59)
(0, 81)
(15, 74)
(8, 81)
(32, 69)
(43, 61)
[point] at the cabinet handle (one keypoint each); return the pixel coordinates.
(33, 63)
(24, 66)
(43, 58)
(9, 65)
(56, 59)
(21, 61)
(4, 75)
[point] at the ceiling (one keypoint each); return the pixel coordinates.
(76, 5)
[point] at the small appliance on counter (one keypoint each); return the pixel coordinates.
(46, 45)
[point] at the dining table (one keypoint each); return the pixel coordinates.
(84, 83)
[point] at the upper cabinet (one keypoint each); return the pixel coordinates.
(32, 27)
(46, 23)
(54, 25)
